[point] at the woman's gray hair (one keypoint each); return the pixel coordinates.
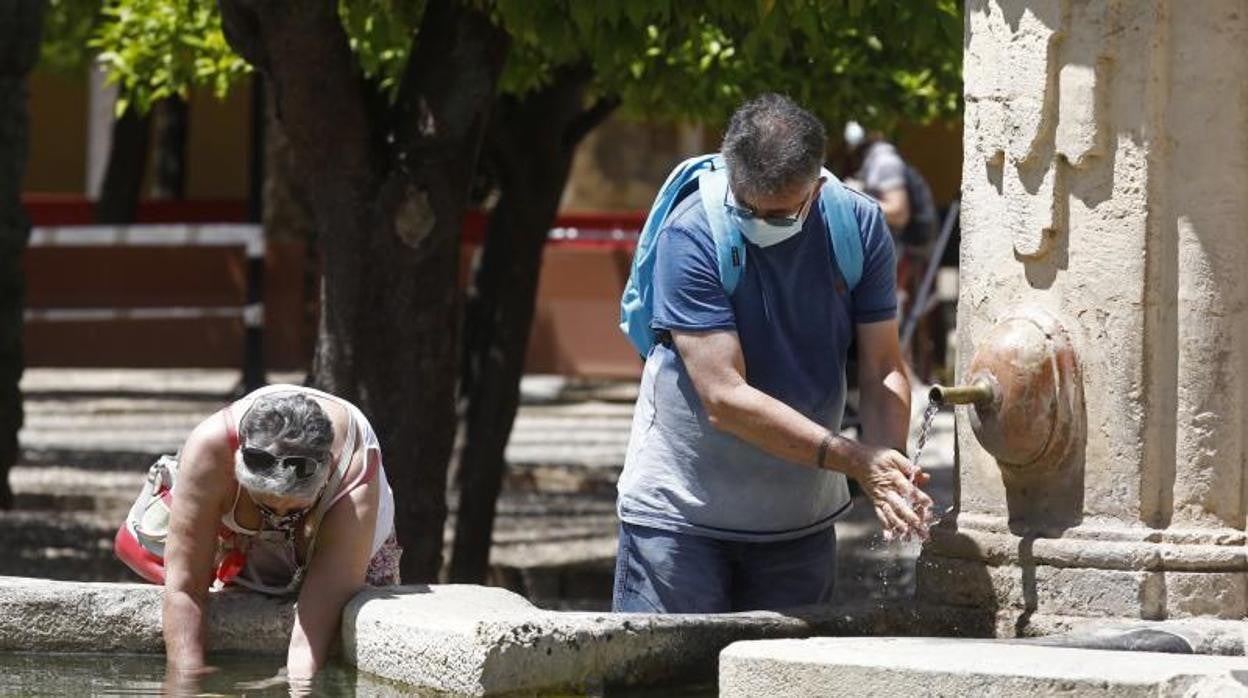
(285, 424)
(772, 147)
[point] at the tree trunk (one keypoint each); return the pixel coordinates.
(388, 187)
(287, 211)
(532, 141)
(171, 126)
(127, 165)
(21, 22)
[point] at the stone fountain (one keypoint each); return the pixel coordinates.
(1104, 302)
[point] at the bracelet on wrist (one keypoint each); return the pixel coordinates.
(822, 456)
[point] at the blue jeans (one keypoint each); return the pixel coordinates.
(664, 572)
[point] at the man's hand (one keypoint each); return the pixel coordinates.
(888, 477)
(892, 482)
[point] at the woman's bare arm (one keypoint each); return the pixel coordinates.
(203, 481)
(335, 574)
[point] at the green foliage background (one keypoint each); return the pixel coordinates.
(879, 62)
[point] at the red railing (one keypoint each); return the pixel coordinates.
(72, 209)
(574, 329)
(575, 229)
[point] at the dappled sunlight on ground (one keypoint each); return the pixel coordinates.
(90, 436)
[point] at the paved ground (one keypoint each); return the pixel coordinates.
(90, 435)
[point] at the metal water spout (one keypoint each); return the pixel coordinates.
(1024, 392)
(979, 393)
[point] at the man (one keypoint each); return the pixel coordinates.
(735, 471)
(880, 173)
(906, 200)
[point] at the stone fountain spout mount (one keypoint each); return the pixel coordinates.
(1023, 392)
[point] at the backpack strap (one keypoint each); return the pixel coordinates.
(729, 246)
(838, 218)
(843, 229)
(709, 174)
(635, 303)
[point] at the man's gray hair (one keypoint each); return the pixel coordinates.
(772, 146)
(285, 424)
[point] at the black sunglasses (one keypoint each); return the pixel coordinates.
(261, 461)
(746, 213)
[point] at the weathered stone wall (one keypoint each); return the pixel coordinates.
(1106, 182)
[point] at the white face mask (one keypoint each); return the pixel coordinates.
(766, 232)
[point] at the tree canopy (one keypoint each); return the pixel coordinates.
(67, 27)
(875, 61)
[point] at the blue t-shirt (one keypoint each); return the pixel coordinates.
(795, 317)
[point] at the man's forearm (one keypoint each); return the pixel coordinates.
(884, 409)
(183, 625)
(782, 431)
(895, 207)
(896, 216)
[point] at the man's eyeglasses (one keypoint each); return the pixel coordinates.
(778, 221)
(261, 461)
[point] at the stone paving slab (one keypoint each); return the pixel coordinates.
(154, 381)
(865, 666)
(151, 411)
(147, 412)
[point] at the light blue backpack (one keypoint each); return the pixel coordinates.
(707, 174)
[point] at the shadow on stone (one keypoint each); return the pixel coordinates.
(1136, 640)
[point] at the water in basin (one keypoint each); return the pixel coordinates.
(65, 675)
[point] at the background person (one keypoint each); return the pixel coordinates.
(905, 198)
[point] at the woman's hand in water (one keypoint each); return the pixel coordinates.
(297, 686)
(278, 679)
(892, 483)
(183, 680)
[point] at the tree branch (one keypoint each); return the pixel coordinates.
(241, 27)
(590, 119)
(434, 104)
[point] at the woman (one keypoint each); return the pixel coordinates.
(281, 492)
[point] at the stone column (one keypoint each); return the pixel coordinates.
(1105, 185)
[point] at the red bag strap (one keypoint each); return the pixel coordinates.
(231, 431)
